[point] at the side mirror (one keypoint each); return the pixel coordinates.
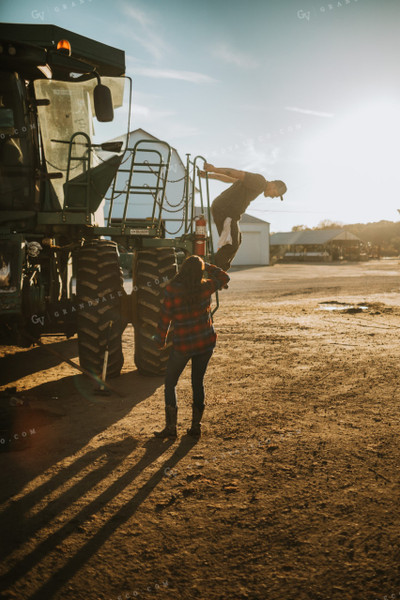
(103, 105)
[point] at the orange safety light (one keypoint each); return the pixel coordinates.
(64, 46)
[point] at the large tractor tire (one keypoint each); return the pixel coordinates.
(100, 293)
(151, 272)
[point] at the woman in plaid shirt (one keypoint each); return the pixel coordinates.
(186, 307)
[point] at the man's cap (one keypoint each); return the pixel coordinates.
(281, 187)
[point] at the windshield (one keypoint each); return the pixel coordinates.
(71, 110)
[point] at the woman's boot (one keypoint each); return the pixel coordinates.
(169, 431)
(195, 429)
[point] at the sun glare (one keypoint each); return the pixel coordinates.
(353, 162)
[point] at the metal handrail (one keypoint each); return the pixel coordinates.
(209, 240)
(157, 190)
(85, 160)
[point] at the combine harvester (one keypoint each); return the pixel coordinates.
(53, 182)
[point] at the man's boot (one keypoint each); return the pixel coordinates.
(169, 431)
(195, 429)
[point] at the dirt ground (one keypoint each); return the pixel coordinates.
(292, 493)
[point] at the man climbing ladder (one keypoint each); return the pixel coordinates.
(229, 206)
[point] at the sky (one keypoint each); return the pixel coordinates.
(307, 91)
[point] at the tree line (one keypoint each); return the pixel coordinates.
(382, 235)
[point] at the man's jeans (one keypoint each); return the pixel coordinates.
(176, 363)
(227, 253)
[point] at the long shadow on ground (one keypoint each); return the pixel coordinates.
(64, 416)
(57, 580)
(26, 362)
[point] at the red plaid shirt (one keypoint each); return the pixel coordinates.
(193, 331)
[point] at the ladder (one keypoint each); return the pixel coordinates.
(157, 166)
(205, 209)
(204, 191)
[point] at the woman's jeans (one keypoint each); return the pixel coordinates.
(176, 363)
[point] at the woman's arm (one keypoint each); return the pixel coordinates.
(218, 277)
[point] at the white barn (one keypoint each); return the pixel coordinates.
(254, 249)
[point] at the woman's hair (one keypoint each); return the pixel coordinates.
(190, 276)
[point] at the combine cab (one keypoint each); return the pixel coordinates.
(59, 257)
